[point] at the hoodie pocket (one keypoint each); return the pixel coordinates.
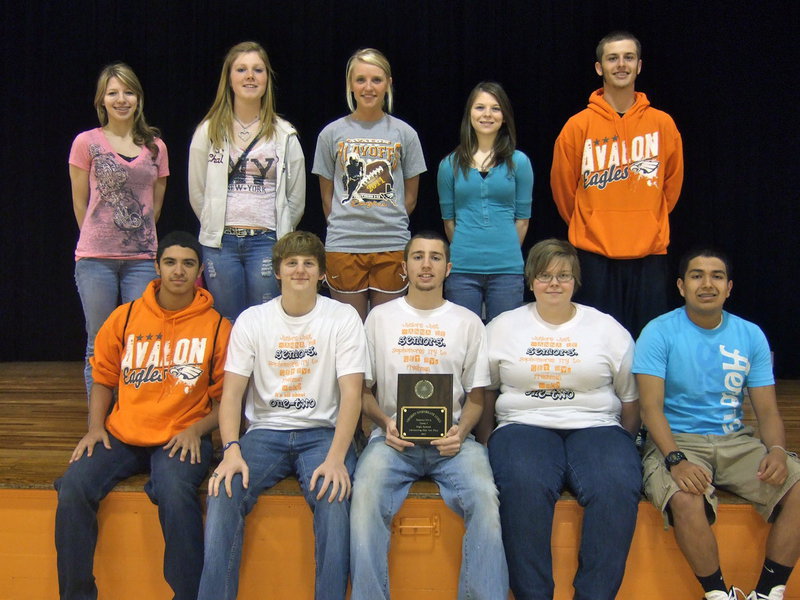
(625, 234)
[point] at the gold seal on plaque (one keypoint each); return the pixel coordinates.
(423, 389)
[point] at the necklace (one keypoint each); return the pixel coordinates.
(244, 134)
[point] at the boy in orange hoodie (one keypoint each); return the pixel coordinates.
(617, 174)
(165, 355)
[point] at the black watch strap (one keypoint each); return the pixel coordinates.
(673, 458)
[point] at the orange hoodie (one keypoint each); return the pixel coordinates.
(616, 179)
(161, 367)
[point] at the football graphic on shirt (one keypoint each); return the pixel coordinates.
(377, 179)
(368, 181)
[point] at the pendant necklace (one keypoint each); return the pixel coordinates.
(244, 134)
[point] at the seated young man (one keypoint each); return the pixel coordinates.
(423, 332)
(303, 356)
(165, 354)
(692, 366)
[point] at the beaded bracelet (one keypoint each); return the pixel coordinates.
(231, 443)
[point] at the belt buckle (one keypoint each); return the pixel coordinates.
(239, 232)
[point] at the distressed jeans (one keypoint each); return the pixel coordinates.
(239, 273)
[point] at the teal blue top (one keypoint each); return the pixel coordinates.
(484, 209)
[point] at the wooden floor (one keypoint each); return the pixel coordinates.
(43, 415)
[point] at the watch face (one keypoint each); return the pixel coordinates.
(673, 458)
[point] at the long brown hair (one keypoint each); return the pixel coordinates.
(504, 144)
(142, 133)
(220, 115)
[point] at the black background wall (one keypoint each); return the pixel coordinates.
(726, 71)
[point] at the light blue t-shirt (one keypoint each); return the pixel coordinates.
(485, 209)
(705, 370)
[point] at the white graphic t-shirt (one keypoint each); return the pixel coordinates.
(295, 362)
(568, 376)
(403, 339)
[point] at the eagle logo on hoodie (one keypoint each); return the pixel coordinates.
(647, 168)
(186, 373)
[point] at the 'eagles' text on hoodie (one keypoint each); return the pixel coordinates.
(616, 179)
(161, 366)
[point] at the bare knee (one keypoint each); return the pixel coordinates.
(687, 509)
(791, 499)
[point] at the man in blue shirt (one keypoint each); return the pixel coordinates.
(692, 365)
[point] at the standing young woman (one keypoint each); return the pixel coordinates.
(247, 182)
(485, 194)
(368, 165)
(119, 174)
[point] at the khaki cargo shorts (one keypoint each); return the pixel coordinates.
(731, 459)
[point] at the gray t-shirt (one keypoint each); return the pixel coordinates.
(368, 163)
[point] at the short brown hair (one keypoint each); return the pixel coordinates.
(428, 235)
(617, 36)
(298, 243)
(545, 252)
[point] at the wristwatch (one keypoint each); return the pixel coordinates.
(673, 458)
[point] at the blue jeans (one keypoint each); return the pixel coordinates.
(172, 486)
(239, 273)
(500, 292)
(383, 478)
(531, 467)
(100, 283)
(272, 455)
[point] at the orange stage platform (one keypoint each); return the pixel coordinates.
(43, 416)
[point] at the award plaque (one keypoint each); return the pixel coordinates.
(424, 406)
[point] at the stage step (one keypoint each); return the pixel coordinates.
(279, 554)
(44, 415)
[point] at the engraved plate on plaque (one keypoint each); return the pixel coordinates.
(424, 406)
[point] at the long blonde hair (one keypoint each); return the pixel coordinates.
(220, 115)
(142, 133)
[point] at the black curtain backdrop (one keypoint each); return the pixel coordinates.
(726, 71)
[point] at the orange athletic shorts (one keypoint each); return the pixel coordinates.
(350, 273)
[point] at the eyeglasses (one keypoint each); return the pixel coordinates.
(559, 277)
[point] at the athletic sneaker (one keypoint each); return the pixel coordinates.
(775, 593)
(732, 594)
